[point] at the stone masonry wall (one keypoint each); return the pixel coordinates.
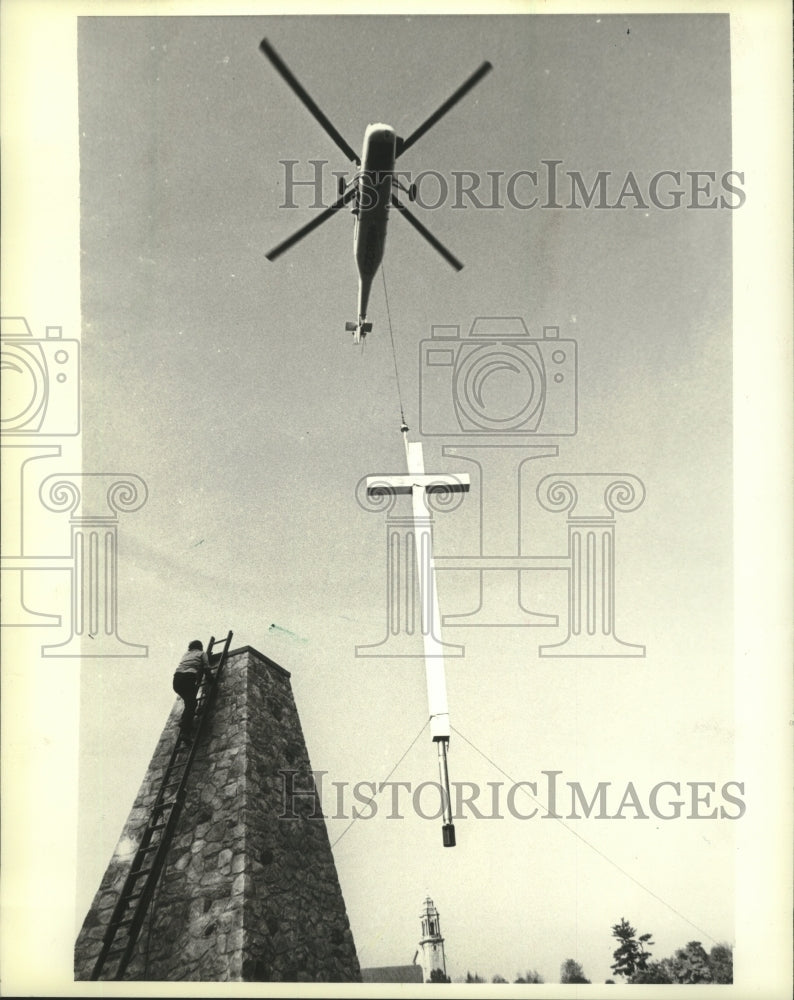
(245, 894)
(89, 940)
(296, 926)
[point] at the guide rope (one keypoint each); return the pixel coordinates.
(393, 348)
(587, 843)
(383, 783)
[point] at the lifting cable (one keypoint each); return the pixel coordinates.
(393, 349)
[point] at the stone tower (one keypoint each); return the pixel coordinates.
(432, 944)
(249, 891)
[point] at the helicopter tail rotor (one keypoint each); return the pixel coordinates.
(359, 330)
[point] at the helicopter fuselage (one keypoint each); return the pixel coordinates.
(371, 207)
(372, 189)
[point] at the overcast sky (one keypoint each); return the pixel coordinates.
(228, 384)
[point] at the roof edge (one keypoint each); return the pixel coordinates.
(260, 656)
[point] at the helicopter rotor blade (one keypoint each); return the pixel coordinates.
(291, 80)
(463, 89)
(318, 220)
(436, 244)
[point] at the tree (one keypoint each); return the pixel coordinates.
(530, 977)
(654, 972)
(498, 979)
(691, 964)
(437, 976)
(473, 978)
(572, 972)
(721, 963)
(631, 955)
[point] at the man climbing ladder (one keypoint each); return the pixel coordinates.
(137, 892)
(193, 666)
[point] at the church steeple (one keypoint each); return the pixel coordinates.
(432, 943)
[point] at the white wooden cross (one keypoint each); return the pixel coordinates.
(417, 483)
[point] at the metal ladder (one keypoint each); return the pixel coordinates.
(147, 865)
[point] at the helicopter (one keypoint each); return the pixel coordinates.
(371, 190)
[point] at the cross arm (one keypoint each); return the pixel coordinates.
(405, 483)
